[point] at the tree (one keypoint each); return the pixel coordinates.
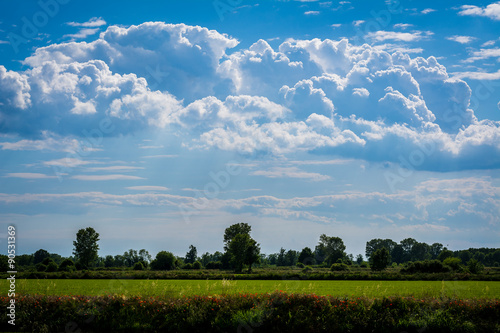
(359, 259)
(191, 255)
(380, 259)
(233, 230)
(378, 243)
(306, 256)
(291, 258)
(420, 251)
(243, 250)
(164, 261)
(109, 261)
(40, 255)
(407, 245)
(281, 260)
(86, 246)
(435, 249)
(333, 247)
(445, 253)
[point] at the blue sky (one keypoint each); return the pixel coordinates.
(161, 123)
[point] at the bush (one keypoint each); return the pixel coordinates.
(197, 265)
(164, 261)
(214, 265)
(51, 267)
(138, 266)
(67, 265)
(41, 267)
(454, 263)
(187, 266)
(79, 266)
(364, 264)
(307, 269)
(474, 266)
(427, 266)
(339, 267)
(300, 265)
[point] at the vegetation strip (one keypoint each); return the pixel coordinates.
(275, 312)
(179, 288)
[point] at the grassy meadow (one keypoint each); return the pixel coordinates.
(180, 288)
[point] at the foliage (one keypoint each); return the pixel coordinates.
(427, 266)
(453, 263)
(233, 230)
(380, 259)
(86, 246)
(197, 265)
(51, 267)
(214, 265)
(274, 312)
(67, 265)
(40, 255)
(138, 266)
(306, 256)
(339, 267)
(474, 266)
(191, 255)
(164, 261)
(333, 247)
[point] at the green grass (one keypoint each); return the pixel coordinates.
(180, 288)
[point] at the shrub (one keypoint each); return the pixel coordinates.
(364, 264)
(454, 263)
(380, 259)
(214, 265)
(307, 269)
(427, 266)
(300, 265)
(79, 266)
(187, 266)
(51, 267)
(339, 267)
(164, 261)
(474, 266)
(41, 267)
(197, 265)
(67, 265)
(138, 266)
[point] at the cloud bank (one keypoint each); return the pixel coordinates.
(317, 96)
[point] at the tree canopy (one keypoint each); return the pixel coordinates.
(86, 246)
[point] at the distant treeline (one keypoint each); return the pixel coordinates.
(240, 250)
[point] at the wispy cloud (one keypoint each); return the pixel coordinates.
(414, 36)
(29, 176)
(114, 168)
(83, 33)
(68, 162)
(105, 177)
(484, 54)
(147, 188)
(290, 172)
(427, 11)
(92, 23)
(477, 75)
(160, 156)
(357, 23)
(312, 12)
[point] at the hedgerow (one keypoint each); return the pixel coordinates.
(275, 312)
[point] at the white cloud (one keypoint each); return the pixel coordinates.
(427, 11)
(114, 168)
(82, 33)
(289, 172)
(477, 75)
(462, 39)
(484, 54)
(68, 162)
(93, 22)
(148, 188)
(105, 177)
(336, 25)
(403, 26)
(312, 12)
(49, 142)
(357, 23)
(415, 36)
(29, 176)
(361, 92)
(492, 11)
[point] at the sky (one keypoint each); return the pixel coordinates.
(161, 123)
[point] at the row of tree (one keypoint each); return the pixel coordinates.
(241, 250)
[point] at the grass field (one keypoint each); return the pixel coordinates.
(179, 288)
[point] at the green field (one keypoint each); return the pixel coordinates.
(179, 288)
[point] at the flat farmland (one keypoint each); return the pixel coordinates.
(181, 288)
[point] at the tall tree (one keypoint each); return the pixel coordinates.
(233, 230)
(407, 245)
(191, 255)
(306, 256)
(40, 255)
(164, 261)
(380, 259)
(435, 249)
(86, 246)
(377, 243)
(334, 248)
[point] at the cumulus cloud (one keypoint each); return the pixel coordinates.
(492, 11)
(314, 95)
(461, 39)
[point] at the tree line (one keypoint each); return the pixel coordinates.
(241, 251)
